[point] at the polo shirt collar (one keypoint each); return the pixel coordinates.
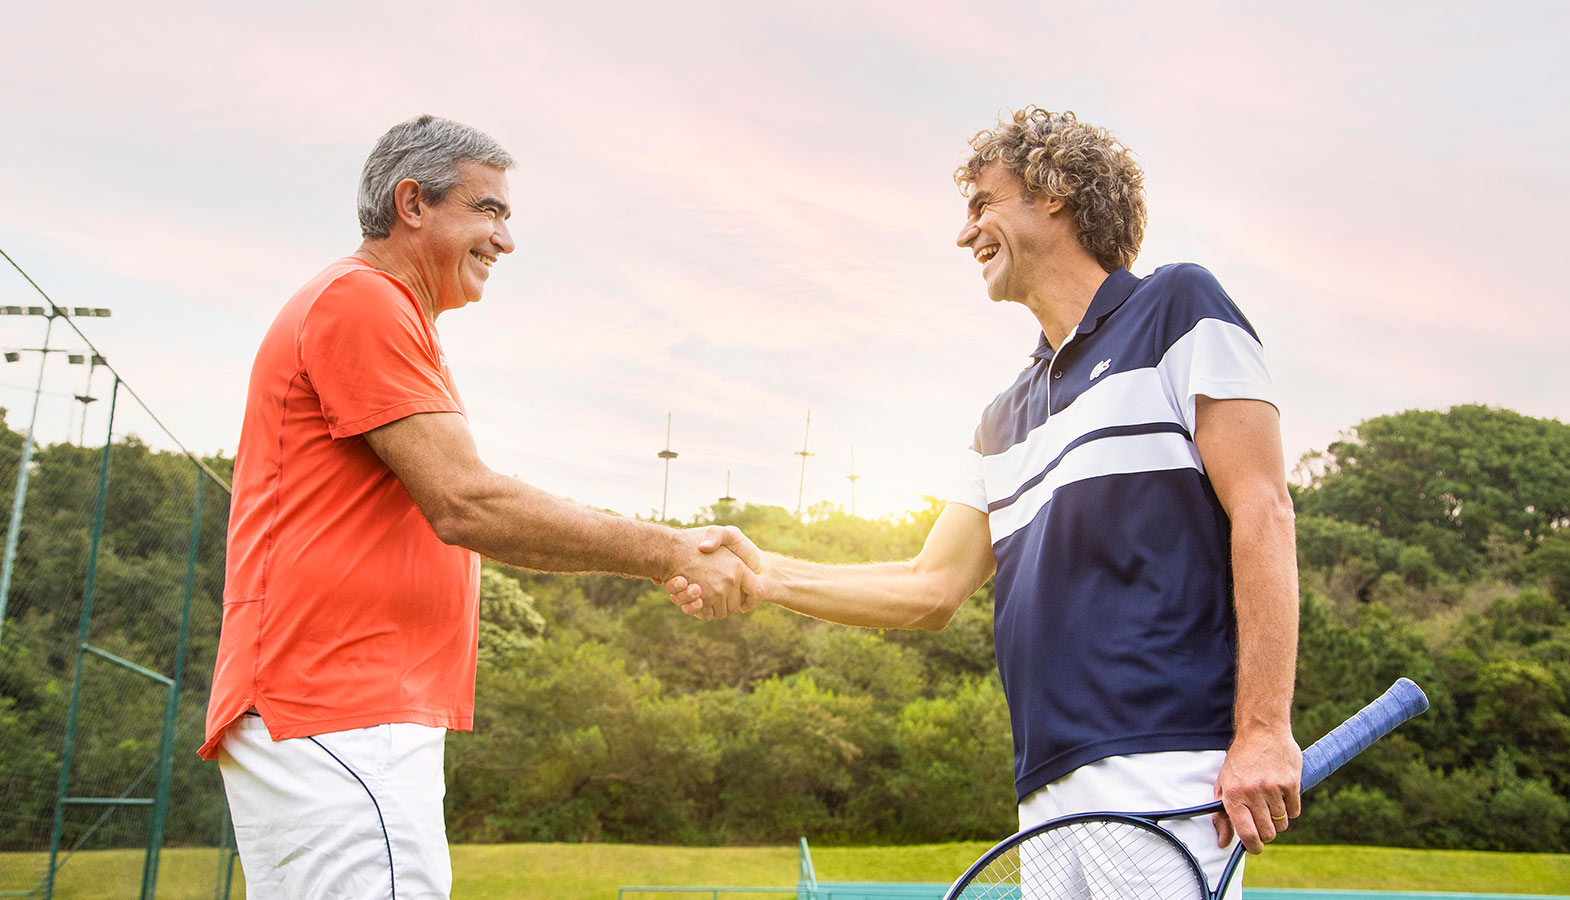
(1113, 291)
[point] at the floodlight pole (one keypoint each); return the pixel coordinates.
(14, 531)
(85, 398)
(727, 498)
(667, 454)
(853, 478)
(802, 486)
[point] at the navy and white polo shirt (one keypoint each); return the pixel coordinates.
(1114, 624)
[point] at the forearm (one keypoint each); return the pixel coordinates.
(877, 595)
(513, 522)
(1264, 570)
(1240, 443)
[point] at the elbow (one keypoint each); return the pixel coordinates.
(938, 611)
(456, 523)
(1283, 515)
(450, 529)
(1266, 516)
(461, 512)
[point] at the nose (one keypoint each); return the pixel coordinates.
(502, 238)
(967, 233)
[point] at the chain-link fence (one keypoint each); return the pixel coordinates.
(109, 611)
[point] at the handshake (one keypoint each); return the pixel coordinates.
(719, 571)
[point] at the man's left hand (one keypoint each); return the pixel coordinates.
(1260, 787)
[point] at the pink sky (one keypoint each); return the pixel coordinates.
(736, 215)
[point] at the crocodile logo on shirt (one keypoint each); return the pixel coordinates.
(1100, 367)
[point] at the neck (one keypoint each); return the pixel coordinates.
(1059, 301)
(391, 256)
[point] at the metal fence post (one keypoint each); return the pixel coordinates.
(155, 828)
(81, 641)
(226, 855)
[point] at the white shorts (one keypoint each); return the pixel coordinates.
(1145, 782)
(350, 814)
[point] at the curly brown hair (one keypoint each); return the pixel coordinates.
(1089, 168)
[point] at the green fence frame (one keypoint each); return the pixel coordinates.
(86, 653)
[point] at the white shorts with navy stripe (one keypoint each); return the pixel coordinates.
(1143, 782)
(350, 814)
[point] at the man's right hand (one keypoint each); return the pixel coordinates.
(720, 574)
(924, 592)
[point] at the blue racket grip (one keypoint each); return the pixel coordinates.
(1403, 701)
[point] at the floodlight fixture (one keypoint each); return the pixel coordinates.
(101, 312)
(10, 311)
(36, 311)
(12, 356)
(667, 454)
(802, 487)
(75, 359)
(853, 478)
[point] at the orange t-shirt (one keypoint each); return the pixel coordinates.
(342, 609)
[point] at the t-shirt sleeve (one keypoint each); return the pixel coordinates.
(1213, 350)
(969, 485)
(368, 355)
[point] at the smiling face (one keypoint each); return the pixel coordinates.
(460, 238)
(1013, 232)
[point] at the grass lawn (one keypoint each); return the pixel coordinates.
(1288, 866)
(595, 871)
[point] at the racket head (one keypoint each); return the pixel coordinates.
(1008, 869)
(1101, 855)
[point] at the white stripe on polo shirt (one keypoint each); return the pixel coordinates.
(1132, 399)
(1108, 456)
(1126, 398)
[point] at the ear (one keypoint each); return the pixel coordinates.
(1051, 204)
(407, 200)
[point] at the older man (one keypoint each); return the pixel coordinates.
(1129, 492)
(359, 508)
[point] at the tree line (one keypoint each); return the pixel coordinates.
(1434, 545)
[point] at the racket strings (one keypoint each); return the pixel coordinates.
(1090, 860)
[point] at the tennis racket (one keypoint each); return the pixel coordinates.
(1113, 855)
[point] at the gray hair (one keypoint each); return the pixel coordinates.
(427, 149)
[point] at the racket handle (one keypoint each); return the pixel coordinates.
(1403, 701)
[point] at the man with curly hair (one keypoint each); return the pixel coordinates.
(1129, 491)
